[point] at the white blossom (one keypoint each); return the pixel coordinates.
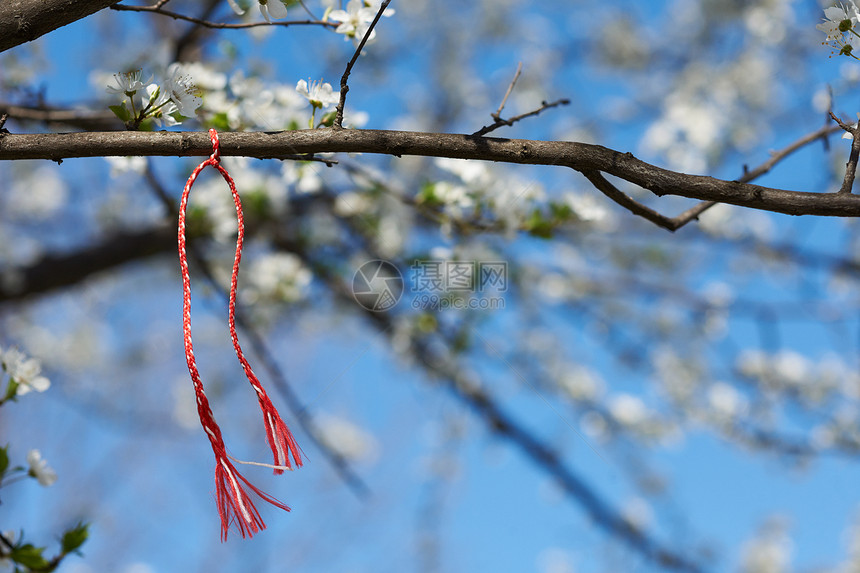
(181, 90)
(127, 83)
(40, 469)
(838, 17)
(355, 21)
(318, 93)
(26, 372)
(272, 9)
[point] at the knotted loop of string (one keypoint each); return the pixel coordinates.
(232, 499)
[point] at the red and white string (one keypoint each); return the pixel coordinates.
(233, 501)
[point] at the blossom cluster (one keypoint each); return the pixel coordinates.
(354, 22)
(840, 26)
(170, 102)
(24, 373)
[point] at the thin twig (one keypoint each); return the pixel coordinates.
(311, 14)
(851, 166)
(344, 87)
(218, 25)
(675, 223)
(502, 122)
(778, 156)
(498, 113)
(611, 191)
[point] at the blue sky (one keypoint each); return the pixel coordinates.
(146, 483)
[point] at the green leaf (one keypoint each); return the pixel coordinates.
(221, 122)
(427, 195)
(75, 537)
(328, 119)
(121, 112)
(4, 461)
(560, 211)
(29, 556)
(11, 390)
(538, 226)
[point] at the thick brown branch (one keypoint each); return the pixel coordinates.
(23, 21)
(578, 156)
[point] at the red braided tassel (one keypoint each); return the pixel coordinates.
(234, 503)
(281, 441)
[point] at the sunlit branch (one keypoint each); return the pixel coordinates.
(854, 155)
(574, 155)
(344, 87)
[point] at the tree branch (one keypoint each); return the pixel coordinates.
(344, 87)
(218, 25)
(50, 115)
(577, 156)
(23, 21)
(853, 157)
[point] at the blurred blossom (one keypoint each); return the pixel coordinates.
(638, 513)
(678, 375)
(734, 222)
(581, 383)
(769, 551)
(205, 76)
(470, 172)
(791, 367)
(752, 363)
(555, 560)
(718, 294)
(40, 469)
(725, 401)
(628, 410)
(280, 277)
(122, 165)
(351, 203)
(589, 209)
(36, 194)
(347, 439)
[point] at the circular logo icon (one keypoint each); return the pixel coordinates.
(377, 285)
